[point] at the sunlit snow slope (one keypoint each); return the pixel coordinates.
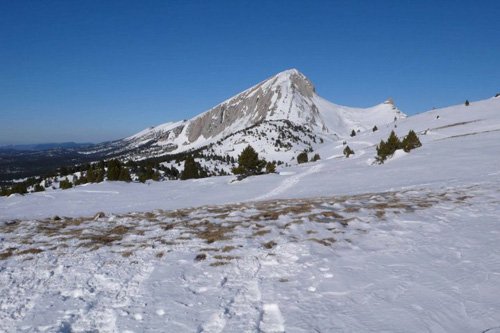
(338, 245)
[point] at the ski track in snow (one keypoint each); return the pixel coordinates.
(288, 183)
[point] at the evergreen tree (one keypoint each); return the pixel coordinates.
(19, 188)
(65, 184)
(114, 169)
(39, 188)
(348, 151)
(467, 102)
(375, 128)
(4, 191)
(124, 175)
(353, 133)
(302, 158)
(393, 142)
(191, 169)
(270, 167)
(411, 141)
(249, 163)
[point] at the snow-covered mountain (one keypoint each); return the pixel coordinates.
(286, 103)
(336, 245)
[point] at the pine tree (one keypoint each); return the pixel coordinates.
(393, 142)
(375, 128)
(348, 151)
(353, 133)
(124, 175)
(114, 169)
(249, 163)
(191, 169)
(411, 141)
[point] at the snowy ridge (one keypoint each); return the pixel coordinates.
(288, 95)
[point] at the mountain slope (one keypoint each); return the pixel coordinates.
(288, 96)
(340, 244)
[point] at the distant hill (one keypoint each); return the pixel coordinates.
(47, 146)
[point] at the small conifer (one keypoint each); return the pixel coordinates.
(348, 151)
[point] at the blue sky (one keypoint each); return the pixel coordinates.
(101, 70)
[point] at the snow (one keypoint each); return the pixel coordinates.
(336, 245)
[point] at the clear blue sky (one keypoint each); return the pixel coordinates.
(101, 70)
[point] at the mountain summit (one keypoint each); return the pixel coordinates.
(288, 98)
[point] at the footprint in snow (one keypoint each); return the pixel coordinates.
(272, 321)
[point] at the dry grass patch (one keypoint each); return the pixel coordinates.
(261, 232)
(200, 257)
(228, 248)
(324, 241)
(213, 233)
(225, 257)
(126, 254)
(269, 245)
(219, 263)
(29, 251)
(7, 253)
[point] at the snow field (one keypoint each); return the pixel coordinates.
(411, 260)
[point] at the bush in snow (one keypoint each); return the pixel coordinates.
(249, 163)
(65, 184)
(375, 128)
(302, 158)
(348, 151)
(316, 157)
(270, 167)
(353, 133)
(38, 188)
(386, 149)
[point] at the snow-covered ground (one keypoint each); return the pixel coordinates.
(335, 245)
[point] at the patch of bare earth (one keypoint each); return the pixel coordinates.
(215, 231)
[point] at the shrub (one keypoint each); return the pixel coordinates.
(249, 163)
(302, 158)
(348, 151)
(39, 188)
(19, 188)
(316, 157)
(375, 128)
(467, 102)
(353, 133)
(386, 149)
(270, 167)
(65, 184)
